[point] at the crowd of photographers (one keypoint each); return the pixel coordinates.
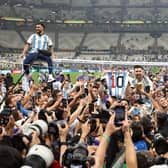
(60, 124)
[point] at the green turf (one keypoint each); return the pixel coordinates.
(155, 70)
(17, 76)
(73, 76)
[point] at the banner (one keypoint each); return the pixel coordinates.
(117, 83)
(16, 71)
(5, 71)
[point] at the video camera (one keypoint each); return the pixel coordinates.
(77, 156)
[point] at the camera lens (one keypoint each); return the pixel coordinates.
(40, 126)
(39, 156)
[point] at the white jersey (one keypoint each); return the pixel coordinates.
(117, 83)
(145, 81)
(39, 42)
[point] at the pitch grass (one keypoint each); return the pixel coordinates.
(73, 76)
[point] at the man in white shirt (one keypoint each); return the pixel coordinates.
(141, 78)
(41, 47)
(138, 83)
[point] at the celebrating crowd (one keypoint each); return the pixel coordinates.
(83, 124)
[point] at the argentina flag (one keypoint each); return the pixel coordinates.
(117, 83)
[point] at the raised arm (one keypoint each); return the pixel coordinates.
(101, 150)
(130, 152)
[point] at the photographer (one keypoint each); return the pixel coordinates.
(37, 145)
(101, 150)
(30, 145)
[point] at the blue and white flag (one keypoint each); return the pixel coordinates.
(117, 83)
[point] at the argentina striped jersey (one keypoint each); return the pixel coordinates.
(117, 83)
(39, 42)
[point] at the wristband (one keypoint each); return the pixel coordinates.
(106, 137)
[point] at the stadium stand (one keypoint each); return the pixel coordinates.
(163, 41)
(137, 2)
(101, 40)
(137, 41)
(69, 41)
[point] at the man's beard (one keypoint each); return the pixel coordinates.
(39, 32)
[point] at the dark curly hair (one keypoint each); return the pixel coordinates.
(137, 131)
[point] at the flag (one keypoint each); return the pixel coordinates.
(117, 82)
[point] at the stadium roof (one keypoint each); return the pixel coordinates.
(98, 11)
(86, 15)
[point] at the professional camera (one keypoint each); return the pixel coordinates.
(53, 127)
(39, 156)
(40, 126)
(160, 144)
(77, 156)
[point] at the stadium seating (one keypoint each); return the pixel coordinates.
(137, 41)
